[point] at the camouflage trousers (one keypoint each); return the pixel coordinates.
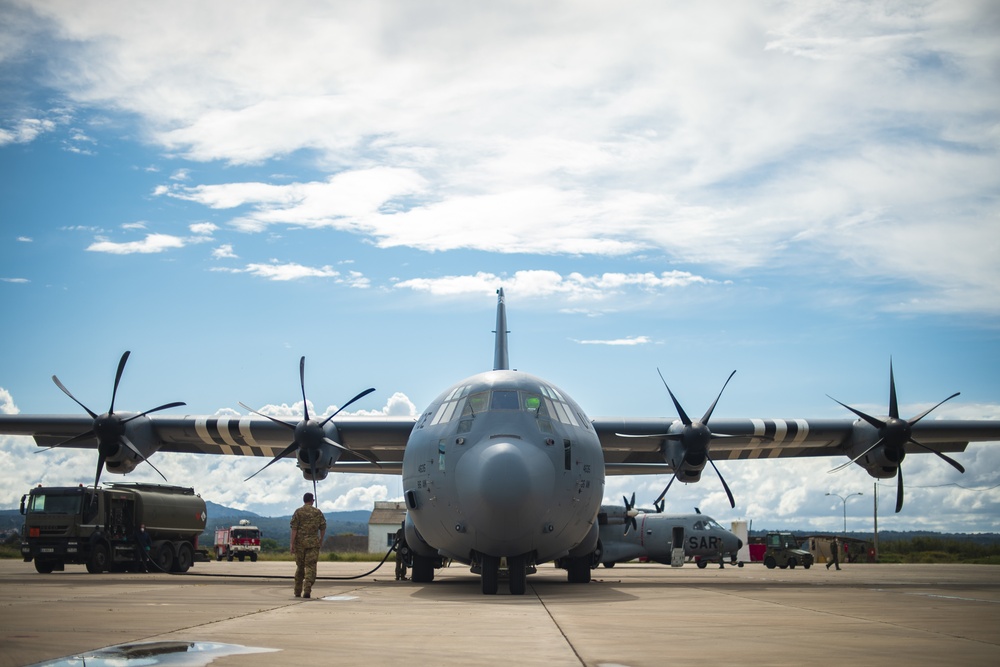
(305, 569)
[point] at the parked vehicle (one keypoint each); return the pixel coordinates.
(240, 541)
(99, 527)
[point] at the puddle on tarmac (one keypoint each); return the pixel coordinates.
(175, 654)
(339, 598)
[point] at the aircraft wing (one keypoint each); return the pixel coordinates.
(770, 439)
(380, 438)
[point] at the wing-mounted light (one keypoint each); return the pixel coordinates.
(879, 445)
(686, 444)
(314, 442)
(124, 439)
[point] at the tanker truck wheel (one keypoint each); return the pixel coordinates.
(98, 561)
(163, 555)
(185, 556)
(44, 566)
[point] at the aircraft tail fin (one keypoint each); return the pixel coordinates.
(500, 360)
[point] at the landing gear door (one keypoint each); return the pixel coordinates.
(677, 547)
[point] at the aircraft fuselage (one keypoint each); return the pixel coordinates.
(503, 464)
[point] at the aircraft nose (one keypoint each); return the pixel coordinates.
(504, 489)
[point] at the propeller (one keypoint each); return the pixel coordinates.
(109, 428)
(894, 434)
(630, 513)
(308, 433)
(694, 440)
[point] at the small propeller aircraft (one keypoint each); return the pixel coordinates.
(503, 464)
(663, 538)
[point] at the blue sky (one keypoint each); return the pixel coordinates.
(794, 192)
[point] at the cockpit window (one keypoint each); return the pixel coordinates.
(504, 400)
(547, 405)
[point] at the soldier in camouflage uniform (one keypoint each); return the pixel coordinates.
(308, 529)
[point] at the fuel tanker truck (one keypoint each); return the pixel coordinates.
(102, 527)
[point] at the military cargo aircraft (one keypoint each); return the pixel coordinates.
(627, 533)
(502, 464)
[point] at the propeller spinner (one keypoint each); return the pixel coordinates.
(109, 428)
(309, 435)
(894, 434)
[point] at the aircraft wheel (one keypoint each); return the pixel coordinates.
(423, 569)
(490, 566)
(609, 565)
(98, 561)
(770, 563)
(702, 564)
(517, 568)
(44, 566)
(578, 570)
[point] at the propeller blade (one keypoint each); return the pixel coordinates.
(118, 379)
(664, 492)
(302, 383)
(351, 451)
(128, 443)
(274, 419)
(358, 397)
(954, 464)
(680, 411)
(75, 438)
(165, 406)
(856, 458)
(923, 414)
(899, 489)
(871, 420)
(93, 415)
(893, 405)
(659, 506)
(711, 409)
(732, 502)
(100, 469)
(285, 452)
(650, 435)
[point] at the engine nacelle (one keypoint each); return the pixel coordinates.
(321, 457)
(139, 432)
(881, 461)
(687, 464)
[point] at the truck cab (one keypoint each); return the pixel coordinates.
(783, 550)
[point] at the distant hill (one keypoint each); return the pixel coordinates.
(354, 522)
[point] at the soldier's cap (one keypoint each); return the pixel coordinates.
(308, 498)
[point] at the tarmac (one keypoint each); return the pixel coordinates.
(632, 615)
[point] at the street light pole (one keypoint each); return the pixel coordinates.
(844, 501)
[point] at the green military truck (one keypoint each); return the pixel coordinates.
(99, 527)
(782, 550)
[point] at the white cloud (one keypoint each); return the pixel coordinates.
(283, 272)
(224, 251)
(825, 139)
(203, 228)
(153, 243)
(15, 280)
(627, 341)
(26, 131)
(540, 283)
(25, 239)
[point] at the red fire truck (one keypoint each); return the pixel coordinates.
(237, 542)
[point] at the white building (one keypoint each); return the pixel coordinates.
(386, 519)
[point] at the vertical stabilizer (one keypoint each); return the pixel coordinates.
(500, 361)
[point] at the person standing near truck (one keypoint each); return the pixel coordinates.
(308, 529)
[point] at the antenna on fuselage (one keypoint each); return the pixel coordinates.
(500, 361)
